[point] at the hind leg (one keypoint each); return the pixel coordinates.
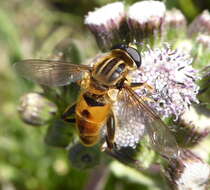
(110, 126)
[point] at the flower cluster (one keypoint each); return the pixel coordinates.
(167, 71)
(140, 22)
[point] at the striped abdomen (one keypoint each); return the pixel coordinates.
(90, 117)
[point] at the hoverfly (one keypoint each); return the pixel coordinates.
(93, 109)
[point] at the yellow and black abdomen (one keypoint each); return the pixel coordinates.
(91, 114)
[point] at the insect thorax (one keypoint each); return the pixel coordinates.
(109, 71)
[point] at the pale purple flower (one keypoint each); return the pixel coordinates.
(173, 78)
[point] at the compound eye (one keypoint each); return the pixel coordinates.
(132, 52)
(135, 55)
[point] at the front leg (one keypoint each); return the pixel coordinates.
(144, 85)
(138, 85)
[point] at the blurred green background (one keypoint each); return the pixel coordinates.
(32, 29)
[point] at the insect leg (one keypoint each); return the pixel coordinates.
(139, 85)
(110, 132)
(66, 116)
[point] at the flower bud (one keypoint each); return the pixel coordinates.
(145, 19)
(34, 109)
(82, 157)
(175, 19)
(68, 50)
(59, 134)
(192, 126)
(201, 24)
(106, 23)
(175, 23)
(204, 40)
(187, 172)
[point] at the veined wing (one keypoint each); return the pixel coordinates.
(51, 73)
(160, 136)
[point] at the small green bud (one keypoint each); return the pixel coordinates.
(59, 134)
(82, 157)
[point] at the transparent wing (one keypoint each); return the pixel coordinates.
(51, 73)
(135, 108)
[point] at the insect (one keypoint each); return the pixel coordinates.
(102, 84)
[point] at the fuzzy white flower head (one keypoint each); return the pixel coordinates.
(145, 20)
(102, 15)
(105, 24)
(194, 176)
(145, 11)
(188, 172)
